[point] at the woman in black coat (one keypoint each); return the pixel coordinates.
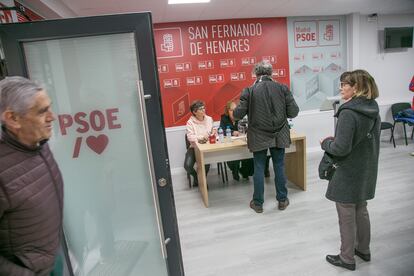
(227, 120)
(355, 148)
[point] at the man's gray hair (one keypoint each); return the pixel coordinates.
(17, 93)
(263, 68)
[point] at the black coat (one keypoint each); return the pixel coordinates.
(356, 177)
(225, 122)
(268, 104)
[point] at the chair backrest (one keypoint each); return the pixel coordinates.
(397, 107)
(187, 143)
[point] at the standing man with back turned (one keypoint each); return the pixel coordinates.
(31, 186)
(268, 104)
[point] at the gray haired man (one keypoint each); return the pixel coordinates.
(31, 185)
(268, 104)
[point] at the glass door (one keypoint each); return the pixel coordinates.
(109, 140)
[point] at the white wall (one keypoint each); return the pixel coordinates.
(392, 71)
(314, 125)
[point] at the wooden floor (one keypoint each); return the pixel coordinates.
(229, 238)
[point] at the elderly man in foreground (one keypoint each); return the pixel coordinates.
(31, 186)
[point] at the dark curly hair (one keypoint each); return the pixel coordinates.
(196, 105)
(263, 68)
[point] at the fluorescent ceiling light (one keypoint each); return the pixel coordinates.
(187, 1)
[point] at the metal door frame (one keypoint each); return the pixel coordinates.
(14, 35)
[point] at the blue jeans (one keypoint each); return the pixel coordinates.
(278, 159)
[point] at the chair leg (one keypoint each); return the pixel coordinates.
(221, 172)
(412, 133)
(225, 171)
(392, 136)
(405, 135)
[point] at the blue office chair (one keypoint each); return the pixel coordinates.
(395, 109)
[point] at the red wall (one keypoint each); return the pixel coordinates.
(213, 61)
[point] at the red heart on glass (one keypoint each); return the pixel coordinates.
(97, 143)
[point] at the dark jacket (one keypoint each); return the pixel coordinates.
(268, 104)
(31, 200)
(225, 122)
(356, 177)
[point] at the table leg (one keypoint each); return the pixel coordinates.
(295, 164)
(201, 172)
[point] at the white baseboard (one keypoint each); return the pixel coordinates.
(178, 171)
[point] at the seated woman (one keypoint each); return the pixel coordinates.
(227, 120)
(199, 127)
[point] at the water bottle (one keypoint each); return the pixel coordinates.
(228, 134)
(290, 122)
(220, 135)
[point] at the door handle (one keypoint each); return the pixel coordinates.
(146, 96)
(167, 241)
(141, 88)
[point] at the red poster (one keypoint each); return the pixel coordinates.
(6, 16)
(213, 61)
(28, 15)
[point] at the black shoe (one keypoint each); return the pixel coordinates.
(256, 207)
(195, 182)
(336, 260)
(365, 257)
(236, 175)
(283, 204)
(245, 177)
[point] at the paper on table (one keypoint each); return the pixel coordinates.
(243, 137)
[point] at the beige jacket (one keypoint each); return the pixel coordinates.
(197, 130)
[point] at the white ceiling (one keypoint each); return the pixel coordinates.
(218, 9)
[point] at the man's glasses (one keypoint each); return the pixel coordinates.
(203, 108)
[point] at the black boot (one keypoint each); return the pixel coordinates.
(235, 174)
(365, 257)
(195, 180)
(336, 260)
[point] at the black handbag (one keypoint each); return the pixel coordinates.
(327, 166)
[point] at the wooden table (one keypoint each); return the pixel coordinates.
(295, 159)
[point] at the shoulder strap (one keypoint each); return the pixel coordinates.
(369, 134)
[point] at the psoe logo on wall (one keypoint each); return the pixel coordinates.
(329, 33)
(168, 43)
(316, 33)
(305, 34)
(180, 107)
